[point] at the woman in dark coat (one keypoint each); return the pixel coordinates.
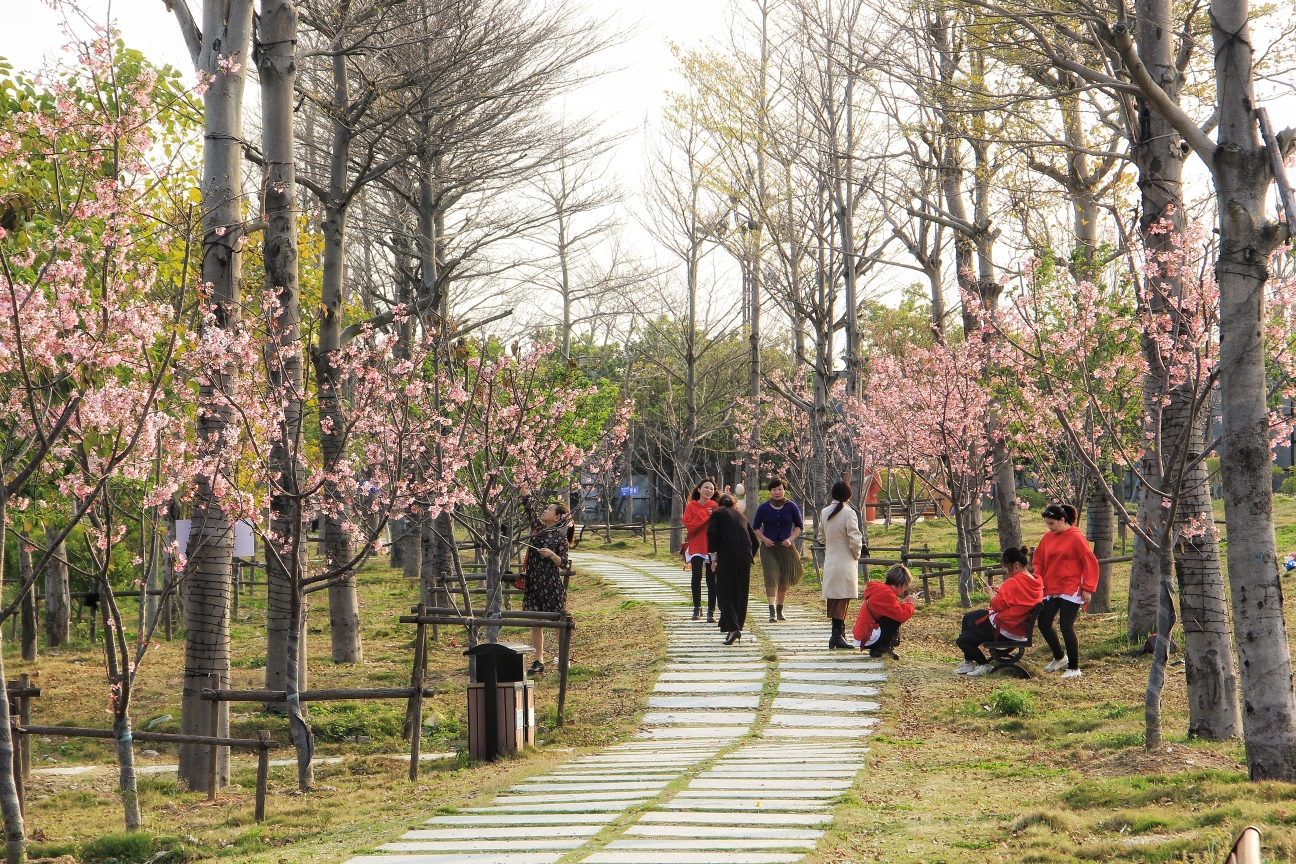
(546, 555)
(733, 546)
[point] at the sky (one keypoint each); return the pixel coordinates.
(630, 94)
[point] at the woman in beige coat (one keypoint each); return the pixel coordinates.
(839, 527)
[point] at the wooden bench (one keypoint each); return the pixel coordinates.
(1008, 653)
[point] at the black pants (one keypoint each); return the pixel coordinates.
(890, 628)
(977, 630)
(733, 585)
(1066, 613)
(699, 565)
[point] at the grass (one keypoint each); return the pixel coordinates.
(617, 650)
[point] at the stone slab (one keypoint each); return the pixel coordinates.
(480, 845)
(508, 832)
(699, 717)
(738, 774)
(807, 689)
(485, 858)
(722, 831)
(750, 784)
(802, 732)
(703, 701)
(822, 720)
(727, 675)
(743, 819)
(626, 857)
(609, 786)
(708, 687)
(839, 705)
(725, 789)
(833, 677)
(728, 844)
(638, 795)
(581, 807)
(736, 805)
(785, 663)
(707, 732)
(539, 819)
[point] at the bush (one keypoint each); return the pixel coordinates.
(137, 847)
(1288, 486)
(1011, 702)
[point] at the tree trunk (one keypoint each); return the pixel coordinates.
(1156, 674)
(1203, 603)
(276, 65)
(1242, 177)
(344, 604)
(226, 32)
(28, 603)
(15, 836)
(298, 728)
(126, 772)
(58, 606)
(1100, 521)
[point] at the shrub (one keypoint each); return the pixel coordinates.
(1056, 821)
(1011, 702)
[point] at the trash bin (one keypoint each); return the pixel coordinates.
(500, 698)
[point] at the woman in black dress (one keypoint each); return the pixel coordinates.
(546, 555)
(732, 545)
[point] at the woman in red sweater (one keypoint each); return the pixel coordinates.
(697, 512)
(884, 607)
(1068, 570)
(1010, 607)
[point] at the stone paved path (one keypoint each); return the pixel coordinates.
(739, 761)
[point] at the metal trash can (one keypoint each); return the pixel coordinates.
(500, 698)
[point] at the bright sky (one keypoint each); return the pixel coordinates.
(626, 97)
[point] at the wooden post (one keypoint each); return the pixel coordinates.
(213, 774)
(24, 716)
(564, 654)
(416, 698)
(263, 773)
(15, 766)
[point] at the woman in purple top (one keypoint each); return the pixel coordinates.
(778, 524)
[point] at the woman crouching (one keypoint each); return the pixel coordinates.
(883, 608)
(1011, 604)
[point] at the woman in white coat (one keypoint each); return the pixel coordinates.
(842, 539)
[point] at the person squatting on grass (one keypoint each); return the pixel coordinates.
(884, 607)
(1010, 606)
(697, 513)
(842, 541)
(778, 524)
(1068, 571)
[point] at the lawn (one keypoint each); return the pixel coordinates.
(616, 652)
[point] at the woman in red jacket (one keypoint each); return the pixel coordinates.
(1010, 607)
(884, 607)
(1068, 570)
(697, 512)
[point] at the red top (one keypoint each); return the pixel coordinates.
(696, 514)
(1013, 603)
(879, 601)
(1065, 564)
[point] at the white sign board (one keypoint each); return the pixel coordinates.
(244, 539)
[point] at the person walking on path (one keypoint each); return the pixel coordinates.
(697, 513)
(778, 524)
(733, 546)
(838, 527)
(547, 555)
(1011, 604)
(884, 607)
(1068, 570)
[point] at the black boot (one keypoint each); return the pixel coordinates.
(780, 612)
(697, 613)
(772, 618)
(838, 636)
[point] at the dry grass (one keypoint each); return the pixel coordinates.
(617, 650)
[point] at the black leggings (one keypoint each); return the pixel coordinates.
(886, 639)
(1066, 613)
(701, 563)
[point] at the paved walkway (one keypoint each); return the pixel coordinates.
(740, 760)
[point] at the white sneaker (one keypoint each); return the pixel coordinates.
(965, 667)
(1072, 673)
(1056, 665)
(984, 669)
